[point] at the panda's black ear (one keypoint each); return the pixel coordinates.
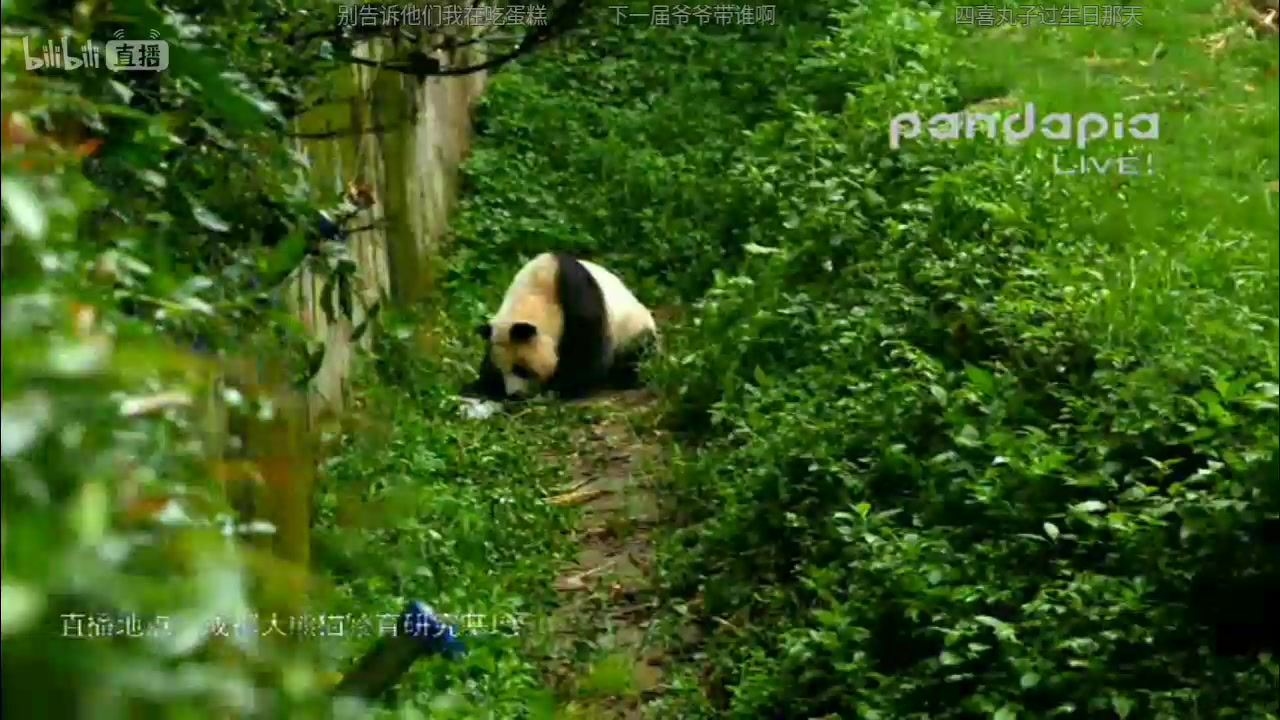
(484, 330)
(523, 331)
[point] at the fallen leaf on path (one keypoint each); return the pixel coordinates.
(576, 498)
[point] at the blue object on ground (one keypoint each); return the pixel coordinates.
(419, 633)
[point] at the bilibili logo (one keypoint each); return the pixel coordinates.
(119, 54)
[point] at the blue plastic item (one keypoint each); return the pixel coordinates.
(419, 633)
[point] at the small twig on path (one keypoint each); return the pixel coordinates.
(575, 582)
(575, 486)
(577, 498)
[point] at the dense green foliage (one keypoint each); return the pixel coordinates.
(140, 209)
(962, 435)
(152, 212)
(958, 435)
(421, 503)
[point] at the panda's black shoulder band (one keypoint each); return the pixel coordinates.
(583, 343)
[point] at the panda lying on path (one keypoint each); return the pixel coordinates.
(565, 325)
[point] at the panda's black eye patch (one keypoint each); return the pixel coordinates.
(523, 332)
(522, 372)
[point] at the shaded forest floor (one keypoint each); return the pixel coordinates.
(546, 511)
(949, 379)
(603, 661)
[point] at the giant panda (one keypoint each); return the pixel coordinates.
(565, 325)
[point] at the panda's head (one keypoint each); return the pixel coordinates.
(523, 353)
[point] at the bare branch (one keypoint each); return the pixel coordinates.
(422, 65)
(347, 132)
(383, 222)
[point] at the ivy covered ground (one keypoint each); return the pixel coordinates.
(940, 431)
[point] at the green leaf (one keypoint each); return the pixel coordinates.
(20, 607)
(1051, 530)
(125, 93)
(1089, 506)
(990, 621)
(22, 421)
(24, 209)
(1029, 680)
(78, 358)
(1122, 705)
(152, 178)
(221, 96)
(1005, 713)
(207, 218)
(90, 513)
(981, 379)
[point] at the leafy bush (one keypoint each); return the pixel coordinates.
(959, 435)
(962, 435)
(150, 224)
(149, 219)
(420, 503)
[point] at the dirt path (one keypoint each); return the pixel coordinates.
(602, 663)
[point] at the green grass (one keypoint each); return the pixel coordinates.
(1200, 224)
(952, 435)
(426, 504)
(958, 435)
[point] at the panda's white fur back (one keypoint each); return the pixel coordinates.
(628, 317)
(537, 277)
(534, 297)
